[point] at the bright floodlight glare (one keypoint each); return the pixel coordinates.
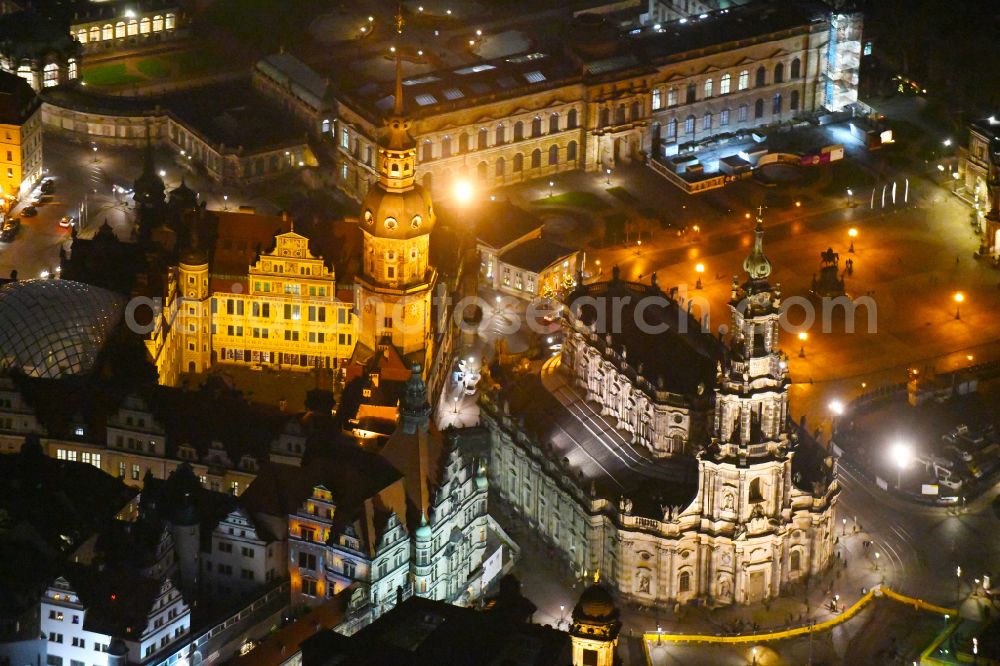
(699, 268)
(803, 335)
(463, 191)
(837, 407)
(901, 454)
(959, 297)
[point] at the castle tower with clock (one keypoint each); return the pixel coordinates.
(393, 290)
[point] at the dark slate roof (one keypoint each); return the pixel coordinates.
(535, 254)
(17, 100)
(723, 27)
(117, 599)
(500, 223)
(59, 498)
(423, 631)
(680, 359)
(595, 462)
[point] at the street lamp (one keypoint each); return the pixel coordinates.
(901, 454)
(699, 269)
(463, 191)
(958, 582)
(607, 173)
(844, 522)
(946, 143)
(959, 297)
(225, 202)
(551, 185)
(803, 336)
(850, 197)
(852, 233)
(876, 561)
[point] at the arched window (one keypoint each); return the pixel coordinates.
(484, 138)
(536, 126)
(620, 115)
(169, 22)
(776, 104)
(689, 125)
(81, 36)
(761, 78)
(634, 112)
(744, 81)
(684, 582)
(133, 28)
(500, 167)
(571, 151)
(793, 101)
(144, 25)
(500, 136)
(536, 158)
(119, 29)
(571, 119)
(553, 155)
(428, 152)
(755, 495)
(796, 67)
(95, 33)
(706, 121)
(758, 109)
(724, 84)
(24, 71)
(482, 170)
(50, 75)
(446, 147)
(518, 131)
(157, 23)
(605, 118)
(518, 162)
(553, 123)
(672, 128)
(779, 72)
(326, 126)
(795, 560)
(707, 89)
(672, 97)
(463, 143)
(692, 93)
(108, 32)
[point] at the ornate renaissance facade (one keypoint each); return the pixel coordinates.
(735, 513)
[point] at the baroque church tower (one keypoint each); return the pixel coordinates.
(393, 292)
(746, 472)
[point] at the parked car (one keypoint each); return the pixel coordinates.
(29, 211)
(48, 186)
(9, 229)
(66, 221)
(960, 452)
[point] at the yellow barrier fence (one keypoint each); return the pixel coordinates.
(919, 604)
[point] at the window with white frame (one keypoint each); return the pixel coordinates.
(708, 88)
(744, 81)
(724, 84)
(657, 99)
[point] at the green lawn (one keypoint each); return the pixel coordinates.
(623, 195)
(193, 61)
(154, 68)
(109, 75)
(587, 200)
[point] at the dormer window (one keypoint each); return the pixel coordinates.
(390, 223)
(369, 218)
(415, 223)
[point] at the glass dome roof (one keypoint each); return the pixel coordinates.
(55, 328)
